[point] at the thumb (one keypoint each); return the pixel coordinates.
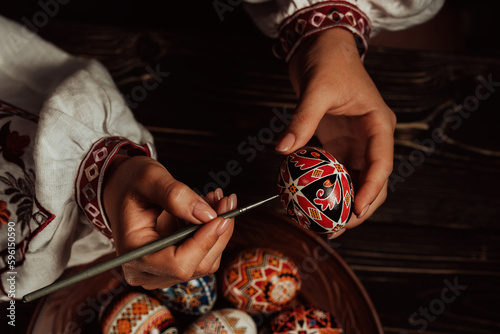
(178, 199)
(183, 202)
(308, 114)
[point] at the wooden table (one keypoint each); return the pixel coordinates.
(429, 257)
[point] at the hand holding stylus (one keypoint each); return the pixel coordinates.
(154, 249)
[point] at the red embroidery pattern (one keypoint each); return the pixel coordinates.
(18, 203)
(91, 175)
(4, 213)
(320, 17)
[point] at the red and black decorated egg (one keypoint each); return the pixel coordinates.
(316, 190)
(304, 320)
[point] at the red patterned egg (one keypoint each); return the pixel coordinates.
(316, 190)
(223, 321)
(304, 320)
(137, 313)
(261, 280)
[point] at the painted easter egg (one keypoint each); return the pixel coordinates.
(316, 190)
(195, 297)
(304, 320)
(261, 280)
(223, 321)
(137, 313)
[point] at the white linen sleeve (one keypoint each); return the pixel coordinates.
(75, 120)
(82, 125)
(383, 14)
(292, 20)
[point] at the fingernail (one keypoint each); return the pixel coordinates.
(223, 227)
(286, 143)
(332, 235)
(203, 212)
(365, 210)
(210, 197)
(219, 194)
(232, 202)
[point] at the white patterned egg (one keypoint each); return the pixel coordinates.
(223, 321)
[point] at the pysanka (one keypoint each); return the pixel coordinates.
(316, 190)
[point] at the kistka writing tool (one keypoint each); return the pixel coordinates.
(132, 255)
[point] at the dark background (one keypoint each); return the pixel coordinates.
(460, 27)
(441, 220)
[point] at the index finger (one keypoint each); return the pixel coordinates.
(178, 262)
(379, 163)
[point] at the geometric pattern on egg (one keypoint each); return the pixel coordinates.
(223, 321)
(137, 313)
(261, 280)
(196, 296)
(304, 320)
(316, 190)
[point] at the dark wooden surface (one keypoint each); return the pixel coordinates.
(440, 224)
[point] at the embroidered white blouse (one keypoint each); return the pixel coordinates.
(62, 119)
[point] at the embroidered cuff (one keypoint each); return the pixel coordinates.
(319, 17)
(90, 177)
